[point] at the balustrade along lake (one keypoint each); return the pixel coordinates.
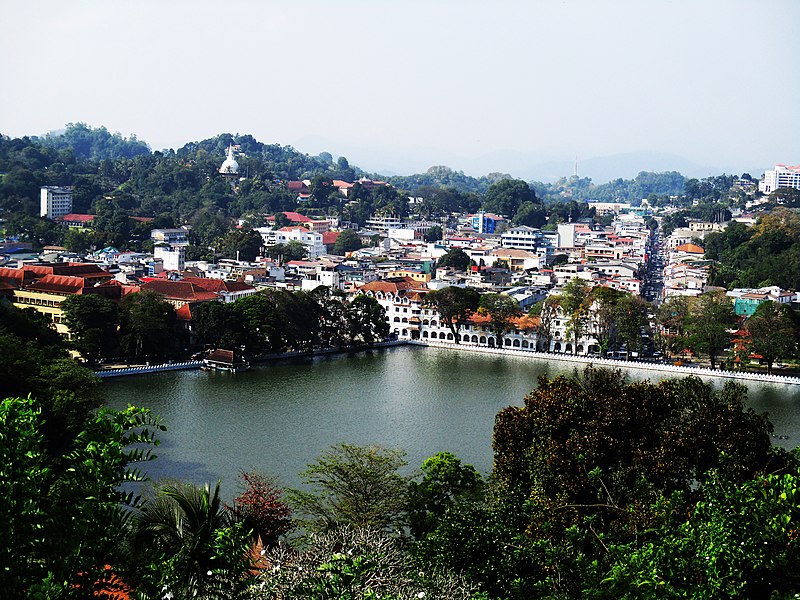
(279, 417)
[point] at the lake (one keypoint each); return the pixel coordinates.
(280, 416)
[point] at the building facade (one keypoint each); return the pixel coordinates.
(782, 176)
(55, 201)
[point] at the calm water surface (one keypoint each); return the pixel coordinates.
(279, 417)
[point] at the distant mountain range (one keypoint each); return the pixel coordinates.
(600, 169)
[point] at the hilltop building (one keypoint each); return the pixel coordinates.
(782, 176)
(229, 167)
(55, 201)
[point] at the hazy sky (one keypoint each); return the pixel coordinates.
(402, 85)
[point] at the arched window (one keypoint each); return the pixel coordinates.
(516, 344)
(450, 336)
(474, 339)
(424, 334)
(507, 342)
(483, 339)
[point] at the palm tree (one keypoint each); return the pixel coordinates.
(180, 528)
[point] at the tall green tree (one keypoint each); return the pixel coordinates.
(454, 305)
(588, 459)
(147, 325)
(632, 318)
(352, 485)
(673, 320)
(434, 234)
(575, 304)
(446, 483)
(456, 258)
(773, 332)
(501, 308)
(93, 321)
(347, 241)
(187, 543)
(506, 196)
(241, 244)
(366, 320)
(710, 319)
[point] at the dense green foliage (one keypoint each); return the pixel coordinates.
(591, 472)
(62, 515)
(765, 254)
(352, 485)
(95, 144)
(600, 488)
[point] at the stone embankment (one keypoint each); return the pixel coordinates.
(630, 364)
(138, 370)
(196, 364)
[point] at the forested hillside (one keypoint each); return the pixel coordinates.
(765, 254)
(119, 180)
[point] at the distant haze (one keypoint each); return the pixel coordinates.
(521, 87)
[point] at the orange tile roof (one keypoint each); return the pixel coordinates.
(218, 285)
(690, 248)
(392, 284)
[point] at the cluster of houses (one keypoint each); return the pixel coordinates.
(398, 271)
(397, 267)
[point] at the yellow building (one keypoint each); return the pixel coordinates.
(417, 276)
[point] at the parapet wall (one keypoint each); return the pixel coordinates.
(632, 364)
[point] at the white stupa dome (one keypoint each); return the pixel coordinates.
(230, 166)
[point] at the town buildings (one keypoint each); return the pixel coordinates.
(55, 201)
(782, 176)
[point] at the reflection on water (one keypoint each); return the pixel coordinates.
(279, 417)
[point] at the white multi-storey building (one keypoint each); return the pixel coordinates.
(522, 237)
(55, 201)
(781, 176)
(169, 245)
(311, 241)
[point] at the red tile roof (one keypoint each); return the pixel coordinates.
(58, 284)
(295, 217)
(330, 237)
(184, 313)
(84, 270)
(16, 277)
(218, 285)
(179, 290)
(77, 218)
